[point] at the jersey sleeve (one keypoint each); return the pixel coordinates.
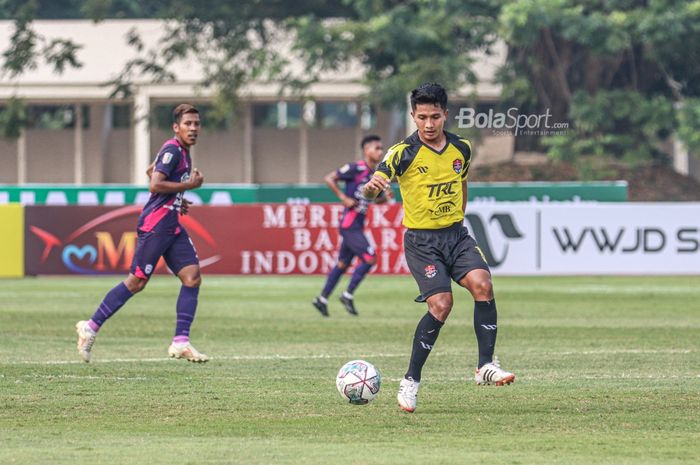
(347, 172)
(466, 150)
(167, 160)
(390, 166)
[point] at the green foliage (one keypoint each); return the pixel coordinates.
(400, 44)
(13, 117)
(618, 124)
(689, 124)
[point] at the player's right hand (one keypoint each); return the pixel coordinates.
(348, 202)
(374, 186)
(197, 179)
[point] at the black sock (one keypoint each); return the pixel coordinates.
(426, 334)
(485, 328)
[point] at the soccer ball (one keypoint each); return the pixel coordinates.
(358, 382)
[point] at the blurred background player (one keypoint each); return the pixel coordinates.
(160, 235)
(432, 166)
(352, 223)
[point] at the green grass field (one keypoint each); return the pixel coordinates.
(608, 373)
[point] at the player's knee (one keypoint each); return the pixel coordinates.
(371, 260)
(342, 265)
(194, 280)
(135, 284)
(482, 289)
(440, 306)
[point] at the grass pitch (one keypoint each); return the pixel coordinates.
(608, 372)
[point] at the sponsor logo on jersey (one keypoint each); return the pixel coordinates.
(430, 271)
(457, 165)
(442, 188)
(443, 209)
(167, 157)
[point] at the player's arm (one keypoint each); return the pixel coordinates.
(386, 196)
(376, 185)
(331, 180)
(160, 185)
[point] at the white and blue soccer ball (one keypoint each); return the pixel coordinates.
(358, 382)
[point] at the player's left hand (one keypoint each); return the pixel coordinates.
(185, 206)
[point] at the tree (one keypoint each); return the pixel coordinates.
(617, 70)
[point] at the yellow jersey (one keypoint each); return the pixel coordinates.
(430, 181)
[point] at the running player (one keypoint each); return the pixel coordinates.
(352, 224)
(160, 235)
(431, 166)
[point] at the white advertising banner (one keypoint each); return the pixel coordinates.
(588, 238)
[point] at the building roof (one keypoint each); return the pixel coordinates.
(105, 51)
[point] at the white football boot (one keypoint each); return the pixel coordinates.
(86, 338)
(492, 373)
(408, 391)
(187, 351)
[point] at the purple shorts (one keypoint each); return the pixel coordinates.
(355, 244)
(177, 250)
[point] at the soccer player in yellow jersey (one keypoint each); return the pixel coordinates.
(431, 166)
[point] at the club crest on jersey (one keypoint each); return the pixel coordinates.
(430, 271)
(167, 157)
(457, 165)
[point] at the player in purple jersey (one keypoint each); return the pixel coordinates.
(352, 223)
(160, 235)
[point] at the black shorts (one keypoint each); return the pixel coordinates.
(438, 256)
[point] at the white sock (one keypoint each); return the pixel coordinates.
(322, 299)
(347, 295)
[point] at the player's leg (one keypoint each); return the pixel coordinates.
(434, 284)
(358, 243)
(182, 260)
(471, 272)
(345, 256)
(148, 251)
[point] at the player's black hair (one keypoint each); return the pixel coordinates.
(182, 109)
(369, 138)
(430, 92)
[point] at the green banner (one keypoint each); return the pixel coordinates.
(229, 194)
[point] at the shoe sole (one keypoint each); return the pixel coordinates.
(505, 381)
(405, 409)
(180, 357)
(320, 309)
(348, 308)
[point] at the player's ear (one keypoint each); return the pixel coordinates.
(174, 127)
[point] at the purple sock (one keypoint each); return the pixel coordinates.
(112, 302)
(358, 275)
(333, 278)
(186, 308)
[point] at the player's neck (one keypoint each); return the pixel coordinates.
(370, 164)
(437, 144)
(182, 143)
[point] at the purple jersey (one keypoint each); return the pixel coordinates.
(355, 175)
(160, 214)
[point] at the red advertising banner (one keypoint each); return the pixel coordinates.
(245, 239)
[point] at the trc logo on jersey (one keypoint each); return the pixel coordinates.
(430, 271)
(457, 165)
(440, 189)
